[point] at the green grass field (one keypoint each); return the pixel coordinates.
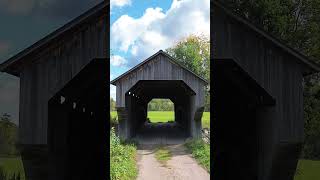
(165, 116)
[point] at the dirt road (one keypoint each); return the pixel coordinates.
(180, 167)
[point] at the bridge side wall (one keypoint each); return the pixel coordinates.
(51, 70)
(280, 126)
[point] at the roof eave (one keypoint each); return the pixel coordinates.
(289, 50)
(113, 82)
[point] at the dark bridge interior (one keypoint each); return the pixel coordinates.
(77, 126)
(237, 100)
(137, 99)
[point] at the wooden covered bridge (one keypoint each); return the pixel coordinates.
(159, 76)
(64, 100)
(258, 100)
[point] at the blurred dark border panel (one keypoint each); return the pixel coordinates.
(54, 89)
(265, 91)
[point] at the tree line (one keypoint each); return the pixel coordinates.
(8, 135)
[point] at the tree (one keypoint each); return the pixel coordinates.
(160, 105)
(112, 104)
(194, 53)
(8, 135)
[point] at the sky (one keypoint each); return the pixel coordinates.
(22, 23)
(140, 28)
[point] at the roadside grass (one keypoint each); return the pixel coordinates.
(205, 120)
(122, 159)
(167, 116)
(12, 165)
(163, 154)
(113, 114)
(308, 170)
(200, 151)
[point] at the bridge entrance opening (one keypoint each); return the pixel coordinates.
(160, 111)
(239, 107)
(136, 101)
(77, 126)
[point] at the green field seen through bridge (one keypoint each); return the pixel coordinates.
(165, 116)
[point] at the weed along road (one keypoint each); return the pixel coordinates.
(168, 162)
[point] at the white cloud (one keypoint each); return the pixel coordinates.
(117, 60)
(156, 30)
(119, 3)
(125, 30)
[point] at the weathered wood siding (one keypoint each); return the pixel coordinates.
(159, 68)
(271, 67)
(51, 70)
(276, 71)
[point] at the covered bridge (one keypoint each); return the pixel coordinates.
(63, 100)
(159, 76)
(258, 100)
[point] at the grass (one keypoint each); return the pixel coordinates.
(165, 116)
(122, 159)
(113, 114)
(200, 151)
(206, 120)
(160, 116)
(163, 155)
(12, 165)
(308, 170)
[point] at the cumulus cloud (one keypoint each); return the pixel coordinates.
(117, 60)
(155, 29)
(119, 3)
(126, 30)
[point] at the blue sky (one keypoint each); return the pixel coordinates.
(134, 9)
(140, 28)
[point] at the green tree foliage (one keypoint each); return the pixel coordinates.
(194, 53)
(112, 104)
(297, 23)
(8, 135)
(294, 22)
(160, 105)
(312, 120)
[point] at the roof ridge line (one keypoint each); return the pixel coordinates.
(280, 43)
(171, 59)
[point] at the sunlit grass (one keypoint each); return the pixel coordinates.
(163, 155)
(12, 165)
(166, 116)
